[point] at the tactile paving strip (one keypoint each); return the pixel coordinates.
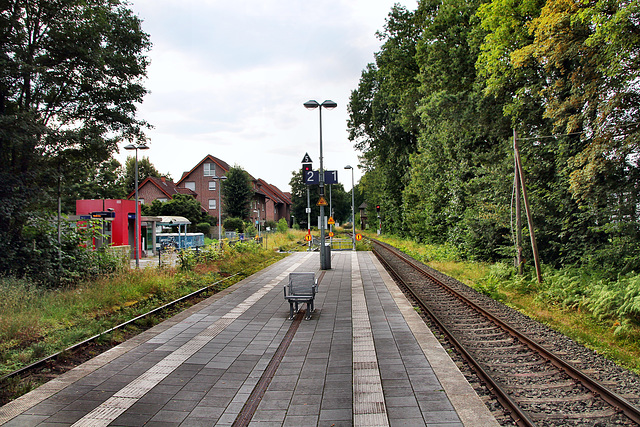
(122, 400)
(369, 408)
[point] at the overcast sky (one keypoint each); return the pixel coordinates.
(228, 78)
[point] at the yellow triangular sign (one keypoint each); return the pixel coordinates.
(322, 202)
(331, 221)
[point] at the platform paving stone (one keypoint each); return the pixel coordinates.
(313, 384)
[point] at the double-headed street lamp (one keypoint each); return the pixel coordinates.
(136, 234)
(218, 206)
(353, 208)
(329, 105)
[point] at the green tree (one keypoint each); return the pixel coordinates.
(299, 200)
(104, 181)
(180, 205)
(383, 120)
(237, 193)
(145, 169)
(70, 76)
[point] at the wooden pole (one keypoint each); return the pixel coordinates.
(516, 175)
(534, 246)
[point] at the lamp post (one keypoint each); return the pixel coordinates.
(258, 212)
(329, 105)
(136, 234)
(353, 208)
(218, 206)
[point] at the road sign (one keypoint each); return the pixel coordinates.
(331, 234)
(307, 237)
(306, 158)
(307, 210)
(358, 237)
(331, 221)
(322, 202)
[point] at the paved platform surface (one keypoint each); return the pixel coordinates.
(364, 359)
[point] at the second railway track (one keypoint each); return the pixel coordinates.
(537, 380)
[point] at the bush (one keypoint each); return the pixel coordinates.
(234, 224)
(282, 226)
(250, 229)
(204, 228)
(49, 263)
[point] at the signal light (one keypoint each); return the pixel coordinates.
(377, 208)
(306, 169)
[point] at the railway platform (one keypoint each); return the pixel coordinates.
(365, 358)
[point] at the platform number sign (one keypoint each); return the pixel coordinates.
(307, 173)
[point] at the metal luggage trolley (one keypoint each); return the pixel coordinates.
(302, 288)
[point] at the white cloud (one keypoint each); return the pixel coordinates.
(229, 79)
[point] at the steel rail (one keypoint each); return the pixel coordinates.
(518, 415)
(39, 363)
(615, 400)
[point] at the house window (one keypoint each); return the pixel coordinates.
(212, 185)
(162, 199)
(191, 185)
(209, 169)
(141, 201)
(212, 203)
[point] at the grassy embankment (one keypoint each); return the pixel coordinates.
(603, 315)
(36, 322)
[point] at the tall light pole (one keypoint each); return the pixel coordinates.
(329, 105)
(219, 206)
(258, 212)
(353, 208)
(136, 234)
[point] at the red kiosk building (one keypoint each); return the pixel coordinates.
(118, 216)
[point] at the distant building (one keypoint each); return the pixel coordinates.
(161, 189)
(269, 202)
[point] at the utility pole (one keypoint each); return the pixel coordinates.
(534, 246)
(516, 181)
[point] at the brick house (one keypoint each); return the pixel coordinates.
(275, 204)
(160, 189)
(199, 180)
(271, 203)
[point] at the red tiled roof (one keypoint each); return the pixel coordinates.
(217, 161)
(273, 192)
(166, 186)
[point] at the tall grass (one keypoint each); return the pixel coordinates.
(36, 321)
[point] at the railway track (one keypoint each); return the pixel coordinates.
(530, 377)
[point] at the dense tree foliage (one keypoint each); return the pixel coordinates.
(70, 76)
(454, 80)
(145, 170)
(237, 193)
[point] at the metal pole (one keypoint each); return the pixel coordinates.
(308, 215)
(219, 214)
(323, 261)
(330, 213)
(353, 211)
(135, 234)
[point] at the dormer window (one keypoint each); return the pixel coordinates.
(209, 169)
